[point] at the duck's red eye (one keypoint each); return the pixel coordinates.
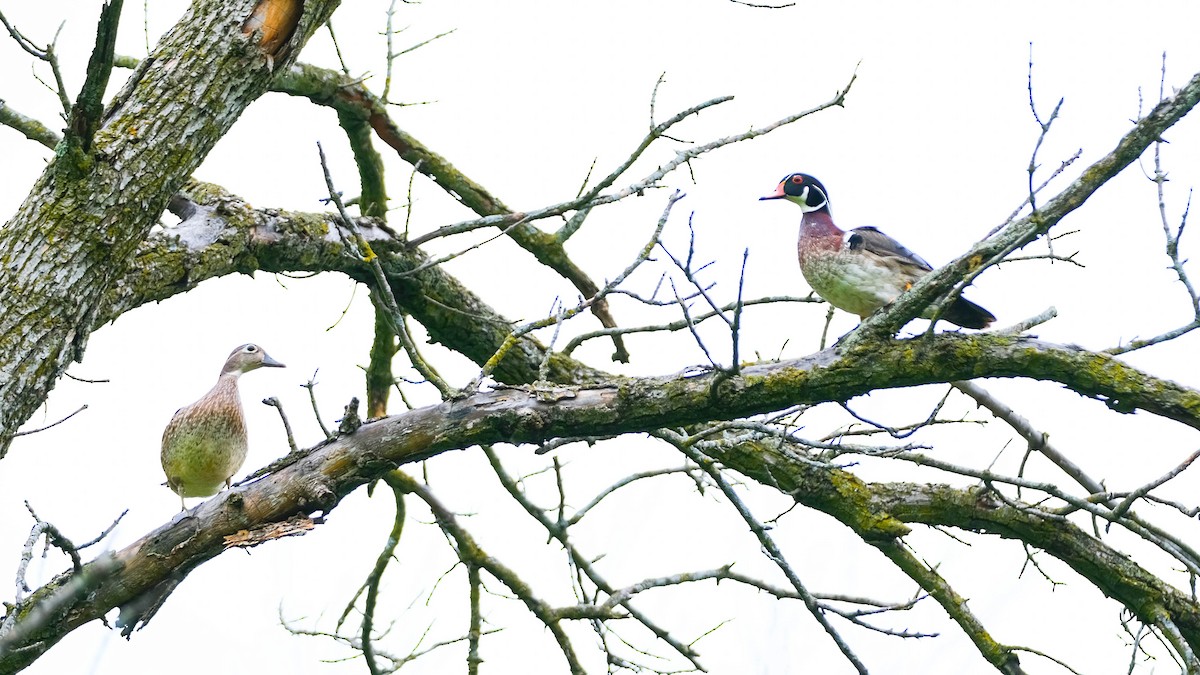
(797, 179)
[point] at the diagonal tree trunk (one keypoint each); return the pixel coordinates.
(75, 234)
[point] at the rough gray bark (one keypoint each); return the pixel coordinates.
(317, 481)
(75, 235)
(220, 234)
(879, 514)
(65, 267)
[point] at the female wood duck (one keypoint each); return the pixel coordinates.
(205, 442)
(861, 270)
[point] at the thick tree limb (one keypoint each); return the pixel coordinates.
(1113, 572)
(220, 234)
(318, 481)
(210, 244)
(879, 513)
(353, 100)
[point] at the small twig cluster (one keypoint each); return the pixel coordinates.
(19, 621)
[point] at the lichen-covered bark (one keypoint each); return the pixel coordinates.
(77, 231)
(220, 234)
(372, 201)
(879, 513)
(1112, 572)
(65, 267)
(28, 127)
(353, 100)
(320, 480)
(379, 376)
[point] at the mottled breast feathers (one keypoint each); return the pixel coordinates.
(205, 442)
(863, 270)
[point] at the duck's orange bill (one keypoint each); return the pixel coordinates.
(779, 193)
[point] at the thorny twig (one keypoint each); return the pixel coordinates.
(1045, 183)
(687, 317)
(376, 577)
(1045, 130)
(734, 324)
(392, 54)
(471, 553)
(1144, 490)
(690, 470)
(337, 48)
(397, 662)
(900, 433)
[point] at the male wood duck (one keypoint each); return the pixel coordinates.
(205, 442)
(861, 270)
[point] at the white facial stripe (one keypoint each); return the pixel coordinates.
(802, 200)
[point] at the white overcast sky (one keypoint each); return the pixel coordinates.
(932, 146)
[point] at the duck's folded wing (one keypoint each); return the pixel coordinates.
(871, 240)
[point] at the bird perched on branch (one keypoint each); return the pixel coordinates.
(205, 442)
(861, 270)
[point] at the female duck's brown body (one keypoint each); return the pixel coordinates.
(205, 442)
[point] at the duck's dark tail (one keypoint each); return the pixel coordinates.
(968, 314)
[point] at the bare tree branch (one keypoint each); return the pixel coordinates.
(1020, 232)
(513, 415)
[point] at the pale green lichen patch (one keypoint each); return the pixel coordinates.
(856, 510)
(309, 225)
